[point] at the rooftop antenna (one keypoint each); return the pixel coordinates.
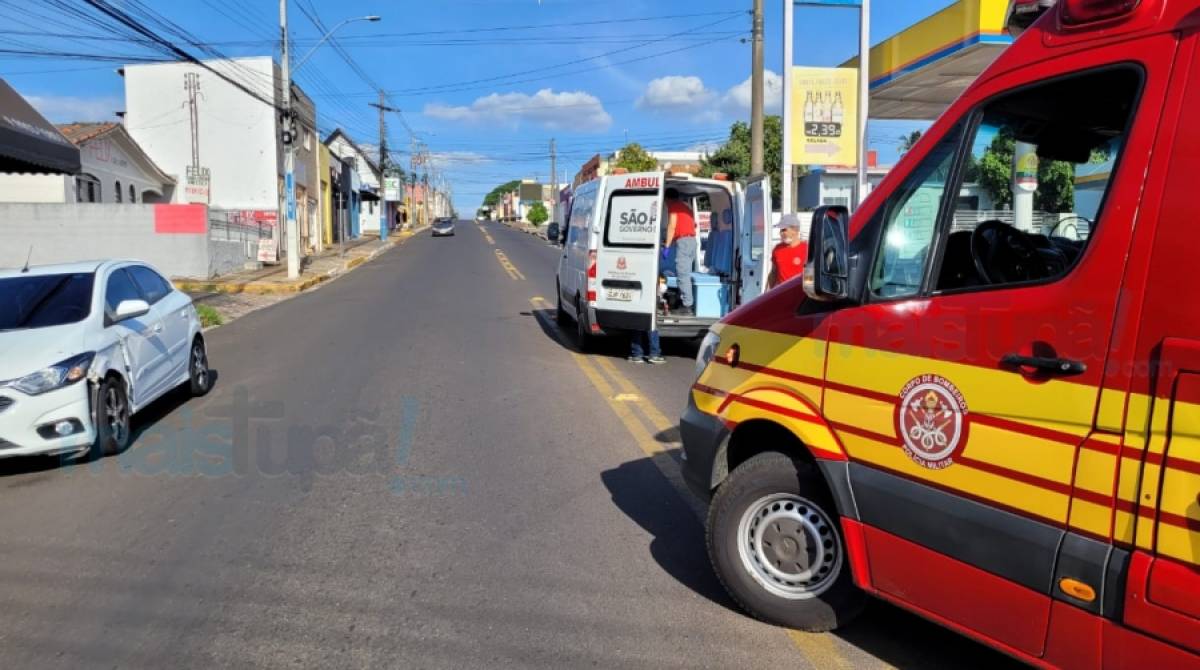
(28, 257)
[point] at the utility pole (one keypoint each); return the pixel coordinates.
(383, 206)
(191, 83)
(756, 92)
(553, 180)
(292, 237)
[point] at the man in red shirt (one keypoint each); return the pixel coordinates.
(789, 256)
(681, 232)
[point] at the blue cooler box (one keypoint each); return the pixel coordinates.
(710, 294)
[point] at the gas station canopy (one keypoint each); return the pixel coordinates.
(918, 72)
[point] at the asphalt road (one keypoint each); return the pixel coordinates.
(407, 467)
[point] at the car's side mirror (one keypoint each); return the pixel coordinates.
(827, 273)
(131, 309)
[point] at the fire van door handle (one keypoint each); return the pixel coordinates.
(1045, 364)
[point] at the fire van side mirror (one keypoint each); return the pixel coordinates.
(827, 272)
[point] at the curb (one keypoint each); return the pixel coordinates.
(298, 286)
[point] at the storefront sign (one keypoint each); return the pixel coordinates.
(391, 189)
(197, 189)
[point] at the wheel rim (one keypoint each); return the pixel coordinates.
(790, 546)
(199, 366)
(117, 414)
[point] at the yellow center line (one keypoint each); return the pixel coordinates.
(508, 266)
(820, 649)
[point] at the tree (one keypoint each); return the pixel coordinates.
(909, 141)
(1056, 179)
(733, 157)
(634, 158)
(538, 214)
(492, 199)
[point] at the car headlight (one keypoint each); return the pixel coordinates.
(63, 373)
(708, 348)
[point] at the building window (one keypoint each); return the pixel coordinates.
(132, 194)
(87, 188)
(837, 201)
(308, 142)
(118, 191)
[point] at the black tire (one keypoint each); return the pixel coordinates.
(822, 597)
(112, 420)
(583, 336)
(560, 314)
(199, 374)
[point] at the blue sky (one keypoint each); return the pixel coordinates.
(486, 101)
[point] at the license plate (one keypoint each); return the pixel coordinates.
(620, 294)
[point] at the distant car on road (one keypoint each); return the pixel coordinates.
(85, 346)
(552, 231)
(443, 227)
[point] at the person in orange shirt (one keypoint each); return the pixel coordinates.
(789, 256)
(681, 232)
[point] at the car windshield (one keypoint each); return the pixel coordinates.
(42, 301)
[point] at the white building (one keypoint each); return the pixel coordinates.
(114, 168)
(364, 165)
(832, 186)
(185, 116)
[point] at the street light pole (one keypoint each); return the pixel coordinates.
(864, 92)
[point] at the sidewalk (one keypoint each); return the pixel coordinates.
(273, 279)
(536, 231)
(234, 295)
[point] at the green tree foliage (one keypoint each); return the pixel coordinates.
(733, 157)
(634, 158)
(493, 199)
(538, 214)
(994, 172)
(909, 141)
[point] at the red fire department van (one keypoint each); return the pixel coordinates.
(982, 402)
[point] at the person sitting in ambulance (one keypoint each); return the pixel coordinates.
(789, 256)
(718, 254)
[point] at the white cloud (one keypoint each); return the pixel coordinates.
(737, 99)
(67, 109)
(567, 110)
(676, 93)
(688, 97)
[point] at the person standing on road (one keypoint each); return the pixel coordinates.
(644, 347)
(681, 234)
(789, 256)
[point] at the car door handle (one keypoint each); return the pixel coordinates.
(1045, 364)
(158, 327)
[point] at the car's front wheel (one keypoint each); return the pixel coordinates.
(774, 541)
(199, 374)
(112, 419)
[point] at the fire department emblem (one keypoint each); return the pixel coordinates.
(931, 420)
(621, 264)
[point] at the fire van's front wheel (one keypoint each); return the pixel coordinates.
(775, 544)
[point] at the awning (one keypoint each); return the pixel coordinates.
(919, 72)
(30, 143)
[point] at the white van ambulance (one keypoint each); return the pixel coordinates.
(612, 277)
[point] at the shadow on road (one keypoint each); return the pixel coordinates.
(615, 345)
(639, 490)
(141, 422)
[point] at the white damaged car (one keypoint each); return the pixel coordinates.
(85, 346)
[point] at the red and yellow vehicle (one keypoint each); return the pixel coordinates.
(982, 402)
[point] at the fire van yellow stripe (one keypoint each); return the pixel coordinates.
(1111, 413)
(1038, 501)
(1178, 543)
(1008, 394)
(1094, 471)
(1090, 517)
